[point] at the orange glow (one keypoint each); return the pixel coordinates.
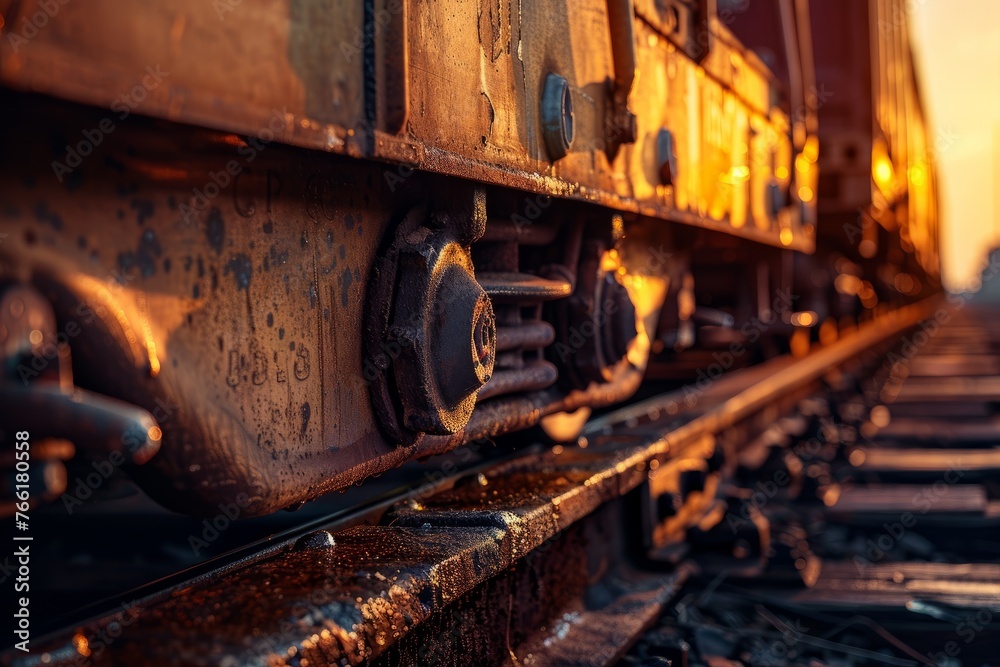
(806, 318)
(962, 96)
(565, 426)
(918, 174)
(233, 140)
(159, 172)
(847, 284)
(811, 149)
(880, 416)
(904, 283)
(828, 331)
(81, 644)
(646, 290)
(882, 170)
(799, 343)
(867, 248)
(736, 175)
(802, 164)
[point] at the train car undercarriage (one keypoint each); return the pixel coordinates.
(550, 293)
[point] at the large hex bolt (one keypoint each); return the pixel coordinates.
(463, 336)
(557, 117)
(430, 333)
(444, 327)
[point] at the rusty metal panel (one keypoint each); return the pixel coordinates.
(228, 64)
(486, 74)
(219, 284)
(452, 87)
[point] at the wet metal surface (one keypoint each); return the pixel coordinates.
(316, 75)
(347, 597)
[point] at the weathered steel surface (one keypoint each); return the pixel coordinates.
(227, 65)
(231, 313)
(219, 283)
(346, 600)
(452, 87)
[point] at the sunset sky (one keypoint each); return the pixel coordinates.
(958, 56)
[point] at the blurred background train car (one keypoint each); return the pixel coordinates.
(846, 78)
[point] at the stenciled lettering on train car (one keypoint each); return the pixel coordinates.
(247, 195)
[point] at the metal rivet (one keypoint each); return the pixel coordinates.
(557, 116)
(666, 157)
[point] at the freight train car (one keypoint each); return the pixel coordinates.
(263, 250)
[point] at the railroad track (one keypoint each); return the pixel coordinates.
(835, 509)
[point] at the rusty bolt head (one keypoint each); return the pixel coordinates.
(628, 126)
(430, 335)
(557, 117)
(463, 345)
(666, 157)
(446, 321)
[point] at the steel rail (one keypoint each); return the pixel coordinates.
(372, 593)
